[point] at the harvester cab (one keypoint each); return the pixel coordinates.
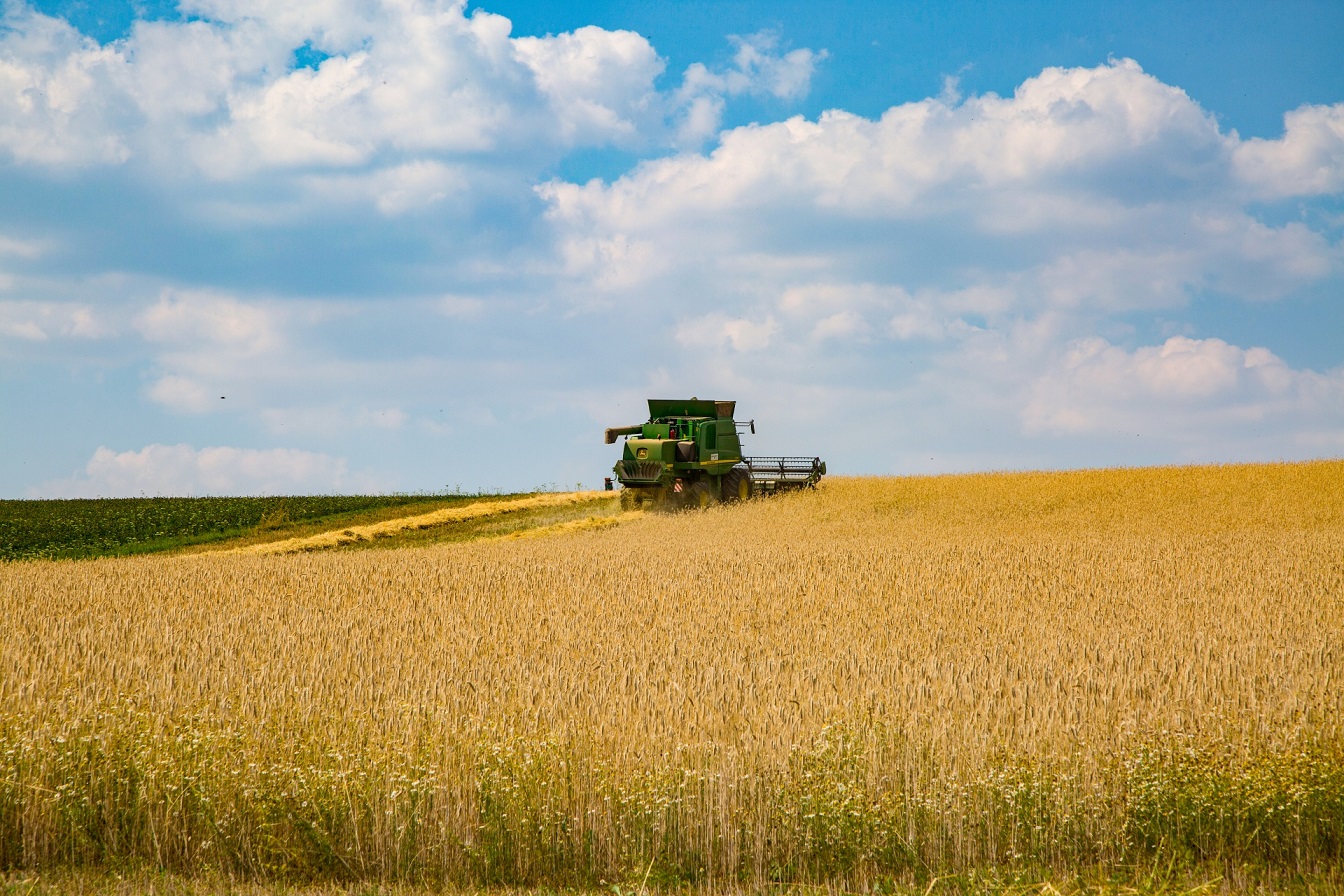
(689, 454)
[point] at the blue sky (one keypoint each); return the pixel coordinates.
(252, 246)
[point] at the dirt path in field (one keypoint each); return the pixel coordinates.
(387, 528)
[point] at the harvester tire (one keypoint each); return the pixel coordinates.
(736, 485)
(631, 499)
(699, 495)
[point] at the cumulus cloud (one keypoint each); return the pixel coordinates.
(56, 108)
(1101, 189)
(224, 88)
(173, 470)
(1181, 387)
(1088, 134)
(757, 69)
(400, 85)
(599, 82)
(1308, 160)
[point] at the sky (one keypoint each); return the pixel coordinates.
(313, 246)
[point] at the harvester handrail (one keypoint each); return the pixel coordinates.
(782, 462)
(784, 469)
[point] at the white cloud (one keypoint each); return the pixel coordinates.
(1154, 266)
(23, 329)
(416, 76)
(1308, 160)
(715, 330)
(841, 326)
(57, 107)
(1184, 388)
(197, 319)
(599, 82)
(756, 69)
(272, 366)
(415, 81)
(211, 348)
(182, 394)
(41, 321)
(21, 248)
(1094, 190)
(612, 265)
(1099, 132)
(918, 323)
(404, 83)
(859, 311)
(393, 191)
(165, 470)
(299, 120)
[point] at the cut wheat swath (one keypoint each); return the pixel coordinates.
(392, 527)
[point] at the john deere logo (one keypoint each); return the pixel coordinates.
(642, 453)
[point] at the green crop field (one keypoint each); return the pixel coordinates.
(101, 527)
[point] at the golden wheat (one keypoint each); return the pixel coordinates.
(951, 669)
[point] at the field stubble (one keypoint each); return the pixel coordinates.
(886, 678)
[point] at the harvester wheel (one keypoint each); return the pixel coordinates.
(631, 499)
(699, 495)
(736, 485)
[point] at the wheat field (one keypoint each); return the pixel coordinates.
(882, 679)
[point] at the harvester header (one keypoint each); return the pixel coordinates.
(689, 453)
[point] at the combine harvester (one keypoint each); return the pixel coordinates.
(689, 454)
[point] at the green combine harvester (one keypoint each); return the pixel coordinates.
(689, 454)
